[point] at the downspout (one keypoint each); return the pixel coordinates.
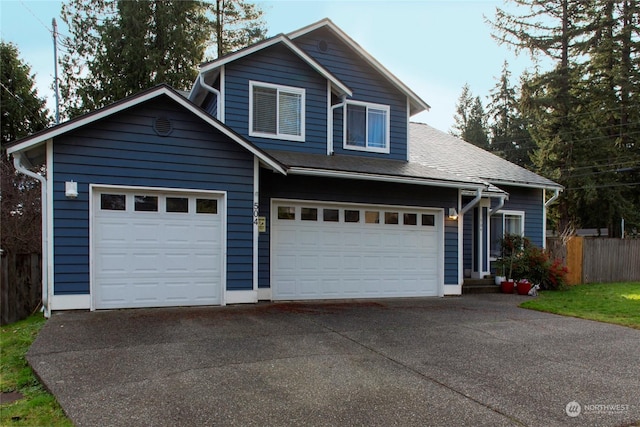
(499, 206)
(473, 202)
(17, 163)
(330, 134)
(213, 90)
(552, 199)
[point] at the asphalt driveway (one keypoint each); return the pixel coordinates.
(472, 360)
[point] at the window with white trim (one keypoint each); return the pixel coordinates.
(276, 111)
(366, 127)
(504, 222)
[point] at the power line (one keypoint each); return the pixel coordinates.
(35, 16)
(631, 184)
(27, 110)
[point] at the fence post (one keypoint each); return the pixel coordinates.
(574, 260)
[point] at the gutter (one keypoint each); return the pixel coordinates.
(552, 199)
(472, 203)
(502, 198)
(17, 163)
(213, 90)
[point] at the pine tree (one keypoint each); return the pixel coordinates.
(470, 120)
(509, 137)
(118, 48)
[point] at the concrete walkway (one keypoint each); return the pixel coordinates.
(473, 360)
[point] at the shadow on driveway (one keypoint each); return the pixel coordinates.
(472, 360)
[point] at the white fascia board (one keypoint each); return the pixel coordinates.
(40, 138)
(525, 184)
(415, 99)
(383, 178)
(289, 44)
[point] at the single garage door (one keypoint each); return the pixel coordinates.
(326, 251)
(156, 249)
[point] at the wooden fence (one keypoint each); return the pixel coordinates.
(20, 286)
(597, 259)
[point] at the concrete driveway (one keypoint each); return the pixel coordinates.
(472, 360)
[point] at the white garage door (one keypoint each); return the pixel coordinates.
(325, 251)
(155, 249)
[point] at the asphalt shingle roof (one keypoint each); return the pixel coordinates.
(445, 152)
(369, 166)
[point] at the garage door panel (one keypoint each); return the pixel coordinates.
(152, 259)
(318, 260)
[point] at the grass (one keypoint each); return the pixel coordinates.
(38, 407)
(617, 303)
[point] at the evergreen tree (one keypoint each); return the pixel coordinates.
(22, 112)
(580, 113)
(509, 137)
(238, 24)
(118, 48)
(470, 121)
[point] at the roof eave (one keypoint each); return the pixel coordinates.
(327, 173)
(552, 186)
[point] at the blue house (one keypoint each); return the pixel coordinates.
(290, 171)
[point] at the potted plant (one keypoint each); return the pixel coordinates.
(511, 248)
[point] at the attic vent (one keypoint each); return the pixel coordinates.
(162, 126)
(323, 46)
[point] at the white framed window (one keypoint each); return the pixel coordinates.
(276, 111)
(504, 222)
(366, 127)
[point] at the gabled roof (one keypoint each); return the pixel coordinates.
(370, 168)
(283, 39)
(41, 137)
(417, 104)
(429, 146)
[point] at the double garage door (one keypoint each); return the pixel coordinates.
(155, 249)
(327, 251)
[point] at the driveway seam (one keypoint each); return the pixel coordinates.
(415, 371)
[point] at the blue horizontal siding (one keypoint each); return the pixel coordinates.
(352, 191)
(123, 149)
(529, 200)
(277, 65)
(367, 85)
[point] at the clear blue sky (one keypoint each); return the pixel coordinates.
(434, 47)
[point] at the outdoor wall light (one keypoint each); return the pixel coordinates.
(453, 214)
(71, 189)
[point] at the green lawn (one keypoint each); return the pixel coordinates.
(38, 408)
(617, 303)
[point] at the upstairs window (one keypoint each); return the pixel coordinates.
(366, 127)
(276, 111)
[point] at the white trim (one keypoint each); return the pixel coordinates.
(544, 220)
(498, 182)
(329, 121)
(49, 231)
(223, 90)
(376, 177)
(408, 145)
(452, 289)
(419, 103)
(279, 88)
(439, 219)
(222, 210)
(256, 207)
(71, 302)
(288, 43)
(241, 297)
(460, 241)
(512, 213)
(38, 139)
(368, 105)
(264, 294)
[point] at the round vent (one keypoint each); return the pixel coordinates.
(162, 126)
(323, 46)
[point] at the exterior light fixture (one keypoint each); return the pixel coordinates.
(453, 214)
(71, 189)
